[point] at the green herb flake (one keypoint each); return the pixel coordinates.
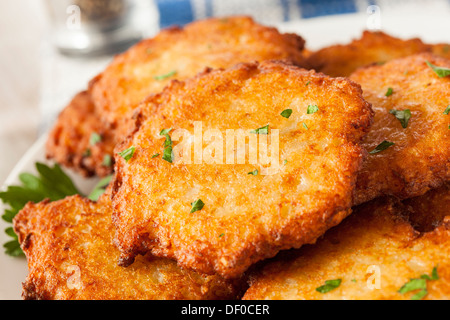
(382, 146)
(99, 189)
(155, 155)
(254, 172)
(389, 92)
(221, 235)
(127, 154)
(305, 126)
(107, 160)
(412, 285)
(285, 161)
(440, 71)
(49, 183)
(312, 109)
(168, 154)
(419, 284)
(329, 285)
(95, 138)
(168, 151)
(286, 113)
(197, 205)
(402, 115)
(447, 110)
(165, 76)
(307, 84)
(262, 130)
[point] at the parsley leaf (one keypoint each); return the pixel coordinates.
(382, 146)
(447, 110)
(127, 154)
(389, 92)
(107, 160)
(402, 115)
(155, 155)
(312, 109)
(254, 172)
(165, 76)
(419, 284)
(440, 71)
(329, 285)
(197, 205)
(95, 138)
(286, 113)
(167, 154)
(305, 126)
(262, 130)
(99, 189)
(50, 183)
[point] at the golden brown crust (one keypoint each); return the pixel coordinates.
(420, 158)
(70, 255)
(69, 140)
(441, 49)
(375, 238)
(371, 48)
(256, 215)
(146, 68)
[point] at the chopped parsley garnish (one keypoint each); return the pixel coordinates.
(440, 71)
(197, 205)
(329, 285)
(221, 235)
(254, 172)
(307, 84)
(107, 160)
(155, 155)
(87, 153)
(382, 146)
(99, 189)
(262, 130)
(389, 92)
(419, 284)
(305, 126)
(167, 154)
(402, 115)
(286, 113)
(165, 76)
(447, 110)
(95, 138)
(312, 109)
(285, 161)
(50, 183)
(127, 154)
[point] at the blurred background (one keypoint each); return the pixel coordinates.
(50, 49)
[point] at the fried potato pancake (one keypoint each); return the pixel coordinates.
(420, 158)
(69, 141)
(146, 68)
(71, 256)
(374, 252)
(373, 47)
(303, 190)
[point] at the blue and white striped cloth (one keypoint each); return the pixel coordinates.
(180, 12)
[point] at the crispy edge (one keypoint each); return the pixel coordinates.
(68, 142)
(371, 48)
(38, 223)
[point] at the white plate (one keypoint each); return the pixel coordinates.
(318, 32)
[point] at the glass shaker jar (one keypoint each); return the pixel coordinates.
(86, 27)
